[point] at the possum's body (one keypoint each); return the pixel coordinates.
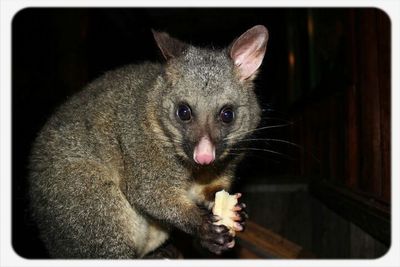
(119, 164)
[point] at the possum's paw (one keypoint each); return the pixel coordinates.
(240, 215)
(216, 238)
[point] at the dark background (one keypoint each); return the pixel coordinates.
(325, 81)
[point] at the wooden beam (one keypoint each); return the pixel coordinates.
(258, 242)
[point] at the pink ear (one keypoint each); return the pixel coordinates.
(247, 52)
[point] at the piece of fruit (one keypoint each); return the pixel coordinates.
(223, 207)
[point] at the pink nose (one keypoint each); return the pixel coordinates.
(204, 159)
(204, 152)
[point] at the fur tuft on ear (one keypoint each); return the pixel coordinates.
(169, 46)
(247, 51)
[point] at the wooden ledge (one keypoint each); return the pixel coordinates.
(257, 242)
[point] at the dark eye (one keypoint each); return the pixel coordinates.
(184, 112)
(227, 115)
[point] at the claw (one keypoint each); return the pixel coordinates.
(236, 217)
(238, 195)
(239, 207)
(238, 227)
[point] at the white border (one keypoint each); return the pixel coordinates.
(9, 8)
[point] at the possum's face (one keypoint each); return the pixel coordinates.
(207, 109)
(209, 104)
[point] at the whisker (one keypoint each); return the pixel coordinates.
(282, 141)
(257, 129)
(263, 150)
(275, 119)
(271, 139)
(234, 154)
(253, 155)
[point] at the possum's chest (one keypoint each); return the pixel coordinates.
(203, 193)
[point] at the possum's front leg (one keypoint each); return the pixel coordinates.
(198, 195)
(203, 194)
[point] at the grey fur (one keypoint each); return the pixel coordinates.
(109, 173)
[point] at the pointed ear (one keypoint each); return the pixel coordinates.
(170, 47)
(247, 52)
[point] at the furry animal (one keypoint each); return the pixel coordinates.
(143, 149)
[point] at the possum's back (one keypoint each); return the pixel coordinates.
(82, 136)
(91, 115)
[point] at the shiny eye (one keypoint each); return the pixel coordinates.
(184, 112)
(226, 115)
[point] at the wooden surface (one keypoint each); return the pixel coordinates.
(257, 242)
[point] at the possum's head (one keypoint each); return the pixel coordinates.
(208, 103)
